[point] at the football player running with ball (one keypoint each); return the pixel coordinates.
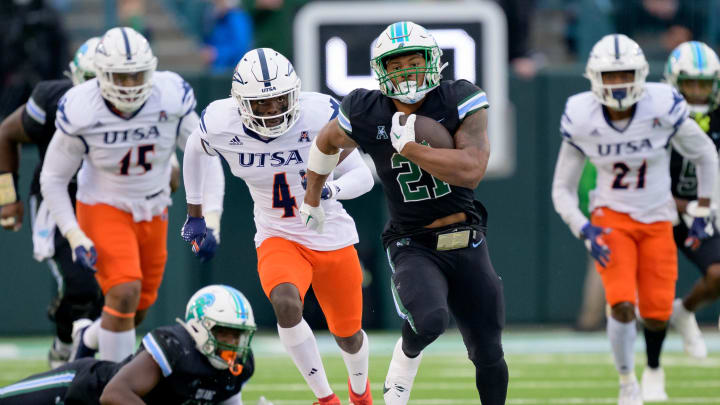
(694, 70)
(264, 132)
(623, 126)
(123, 127)
(205, 359)
(435, 238)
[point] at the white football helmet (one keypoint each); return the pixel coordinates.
(82, 67)
(224, 306)
(406, 37)
(694, 61)
(613, 53)
(262, 74)
(124, 53)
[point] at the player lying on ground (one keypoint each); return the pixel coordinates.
(205, 359)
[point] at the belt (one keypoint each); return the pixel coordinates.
(449, 238)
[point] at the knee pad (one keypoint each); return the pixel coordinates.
(433, 324)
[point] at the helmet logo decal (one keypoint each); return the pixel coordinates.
(196, 310)
(238, 78)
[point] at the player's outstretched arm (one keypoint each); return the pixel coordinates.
(12, 134)
(352, 177)
(134, 380)
(568, 169)
(463, 166)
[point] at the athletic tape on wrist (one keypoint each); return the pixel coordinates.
(320, 162)
(8, 188)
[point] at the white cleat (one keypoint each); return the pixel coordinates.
(653, 385)
(400, 376)
(684, 322)
(630, 394)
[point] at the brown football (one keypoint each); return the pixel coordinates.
(430, 131)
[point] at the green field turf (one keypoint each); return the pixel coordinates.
(545, 368)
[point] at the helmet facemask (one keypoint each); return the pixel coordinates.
(701, 93)
(127, 91)
(397, 83)
(274, 125)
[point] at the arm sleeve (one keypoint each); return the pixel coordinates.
(213, 184)
(195, 168)
(353, 178)
(63, 157)
(691, 142)
(186, 126)
(568, 170)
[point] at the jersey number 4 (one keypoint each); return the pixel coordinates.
(621, 169)
(142, 152)
(406, 179)
(282, 197)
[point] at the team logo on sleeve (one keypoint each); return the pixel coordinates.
(656, 122)
(381, 134)
(163, 116)
(304, 137)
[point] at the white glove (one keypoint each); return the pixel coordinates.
(402, 134)
(313, 217)
(83, 249)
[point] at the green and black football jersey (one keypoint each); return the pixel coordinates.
(682, 170)
(415, 198)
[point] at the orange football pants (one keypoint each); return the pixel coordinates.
(643, 264)
(336, 278)
(127, 250)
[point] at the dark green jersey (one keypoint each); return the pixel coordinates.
(682, 171)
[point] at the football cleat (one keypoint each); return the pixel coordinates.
(59, 353)
(653, 385)
(400, 376)
(684, 322)
(364, 399)
(331, 399)
(79, 350)
(630, 394)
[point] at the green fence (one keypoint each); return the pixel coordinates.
(541, 263)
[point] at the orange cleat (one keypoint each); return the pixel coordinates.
(364, 399)
(331, 399)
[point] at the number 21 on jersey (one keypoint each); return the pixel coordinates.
(406, 179)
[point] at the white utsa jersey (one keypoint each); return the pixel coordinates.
(271, 169)
(632, 164)
(127, 160)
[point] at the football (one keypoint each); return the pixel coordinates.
(430, 131)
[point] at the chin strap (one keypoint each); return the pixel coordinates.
(230, 356)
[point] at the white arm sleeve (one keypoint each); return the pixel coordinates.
(691, 142)
(568, 170)
(62, 159)
(213, 184)
(188, 124)
(353, 178)
(233, 400)
(196, 164)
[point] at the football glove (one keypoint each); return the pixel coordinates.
(313, 217)
(327, 190)
(701, 227)
(203, 243)
(593, 236)
(11, 216)
(83, 249)
(402, 134)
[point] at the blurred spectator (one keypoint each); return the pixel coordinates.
(229, 35)
(33, 47)
(658, 26)
(519, 13)
(131, 13)
(273, 21)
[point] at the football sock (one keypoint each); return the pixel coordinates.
(357, 366)
(622, 341)
(653, 346)
(90, 336)
(301, 345)
(492, 382)
(115, 346)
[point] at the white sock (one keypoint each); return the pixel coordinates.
(90, 337)
(115, 346)
(357, 366)
(622, 340)
(300, 344)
